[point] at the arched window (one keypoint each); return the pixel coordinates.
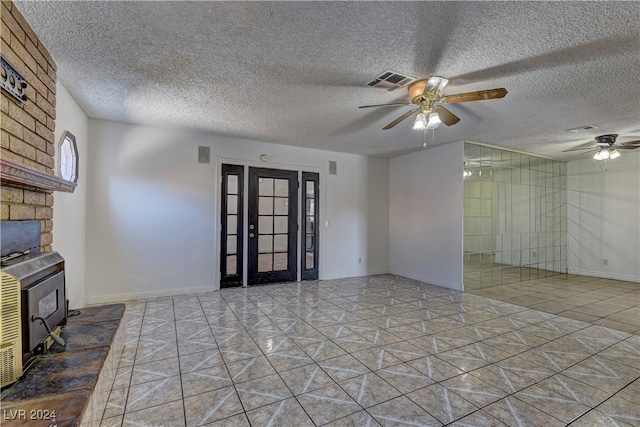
(68, 156)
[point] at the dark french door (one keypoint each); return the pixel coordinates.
(272, 226)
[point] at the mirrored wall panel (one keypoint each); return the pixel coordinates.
(515, 217)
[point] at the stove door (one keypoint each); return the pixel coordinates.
(44, 299)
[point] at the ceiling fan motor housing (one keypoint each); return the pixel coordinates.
(607, 139)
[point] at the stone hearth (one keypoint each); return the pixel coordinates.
(73, 381)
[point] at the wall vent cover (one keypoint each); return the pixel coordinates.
(390, 80)
(333, 167)
(204, 154)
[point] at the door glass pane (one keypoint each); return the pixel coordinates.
(265, 243)
(265, 187)
(232, 204)
(280, 224)
(265, 262)
(310, 189)
(310, 208)
(282, 187)
(280, 262)
(265, 224)
(265, 205)
(232, 224)
(310, 225)
(232, 244)
(309, 260)
(310, 243)
(232, 265)
(280, 242)
(281, 206)
(232, 184)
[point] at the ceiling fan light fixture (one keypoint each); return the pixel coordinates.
(434, 121)
(421, 122)
(614, 154)
(597, 156)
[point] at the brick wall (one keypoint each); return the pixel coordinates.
(28, 129)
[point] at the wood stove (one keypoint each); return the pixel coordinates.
(34, 307)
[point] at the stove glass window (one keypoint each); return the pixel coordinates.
(48, 305)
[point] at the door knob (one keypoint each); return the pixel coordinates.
(251, 235)
(251, 227)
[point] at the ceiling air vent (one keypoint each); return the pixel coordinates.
(390, 81)
(582, 128)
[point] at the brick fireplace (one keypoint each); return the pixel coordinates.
(27, 137)
(95, 336)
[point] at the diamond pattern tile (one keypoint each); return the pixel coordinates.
(328, 404)
(441, 403)
(379, 350)
(369, 389)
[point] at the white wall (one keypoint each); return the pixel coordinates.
(425, 215)
(377, 232)
(69, 208)
(152, 209)
(603, 217)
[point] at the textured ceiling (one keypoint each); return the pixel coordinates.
(294, 72)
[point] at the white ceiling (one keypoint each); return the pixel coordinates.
(294, 72)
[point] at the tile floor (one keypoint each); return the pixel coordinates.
(611, 303)
(380, 350)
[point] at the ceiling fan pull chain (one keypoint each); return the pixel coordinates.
(433, 137)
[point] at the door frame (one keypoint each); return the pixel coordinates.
(310, 273)
(227, 281)
(220, 160)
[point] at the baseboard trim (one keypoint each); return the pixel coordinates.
(429, 281)
(605, 275)
(354, 274)
(106, 299)
(377, 272)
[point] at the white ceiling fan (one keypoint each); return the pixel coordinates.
(605, 147)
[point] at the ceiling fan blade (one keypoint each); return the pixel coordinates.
(446, 116)
(627, 147)
(630, 143)
(578, 149)
(399, 119)
(396, 104)
(475, 96)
